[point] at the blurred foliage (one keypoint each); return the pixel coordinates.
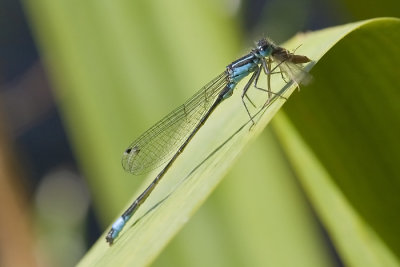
(359, 9)
(117, 70)
(118, 66)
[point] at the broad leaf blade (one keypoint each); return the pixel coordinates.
(350, 119)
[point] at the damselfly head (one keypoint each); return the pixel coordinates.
(265, 47)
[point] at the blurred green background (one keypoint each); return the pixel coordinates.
(81, 79)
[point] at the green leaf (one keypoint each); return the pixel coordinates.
(350, 120)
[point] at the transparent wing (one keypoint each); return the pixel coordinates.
(294, 72)
(159, 143)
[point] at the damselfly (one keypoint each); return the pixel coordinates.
(166, 140)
